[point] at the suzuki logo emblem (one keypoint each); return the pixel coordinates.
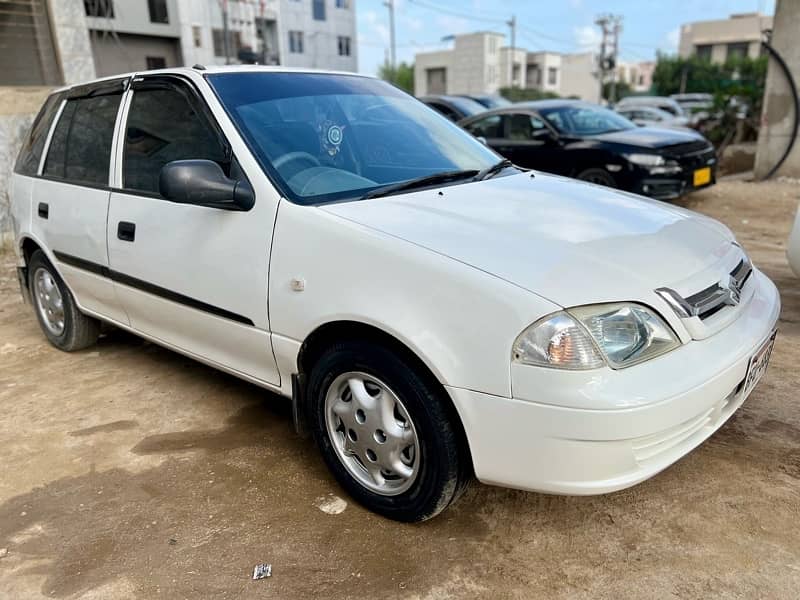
(733, 291)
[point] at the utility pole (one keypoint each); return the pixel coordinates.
(225, 32)
(513, 25)
(393, 48)
(611, 27)
(602, 22)
(617, 29)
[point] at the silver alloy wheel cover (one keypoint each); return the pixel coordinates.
(372, 433)
(48, 300)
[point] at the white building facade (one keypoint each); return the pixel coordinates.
(139, 34)
(479, 64)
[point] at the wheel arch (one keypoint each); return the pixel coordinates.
(348, 330)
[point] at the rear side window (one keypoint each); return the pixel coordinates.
(31, 152)
(487, 127)
(80, 151)
(163, 125)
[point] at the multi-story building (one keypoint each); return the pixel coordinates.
(50, 42)
(479, 64)
(717, 41)
(638, 76)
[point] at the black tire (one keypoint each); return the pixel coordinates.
(79, 330)
(597, 176)
(444, 467)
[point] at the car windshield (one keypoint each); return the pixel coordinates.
(585, 119)
(327, 137)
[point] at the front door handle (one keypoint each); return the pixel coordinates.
(126, 231)
(44, 210)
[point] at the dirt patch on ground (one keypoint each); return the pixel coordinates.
(129, 471)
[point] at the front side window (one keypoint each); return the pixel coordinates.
(579, 119)
(523, 126)
(164, 125)
(80, 150)
(336, 137)
(487, 127)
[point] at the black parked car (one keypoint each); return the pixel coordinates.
(488, 100)
(454, 108)
(588, 142)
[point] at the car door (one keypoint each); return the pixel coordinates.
(191, 276)
(71, 195)
(528, 142)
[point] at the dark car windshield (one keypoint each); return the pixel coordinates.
(585, 119)
(333, 137)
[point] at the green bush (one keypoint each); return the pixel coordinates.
(525, 95)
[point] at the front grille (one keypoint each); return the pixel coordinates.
(681, 150)
(709, 301)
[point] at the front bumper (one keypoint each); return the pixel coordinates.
(652, 414)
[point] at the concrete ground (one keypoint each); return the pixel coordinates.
(128, 471)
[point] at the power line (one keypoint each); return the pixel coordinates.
(457, 13)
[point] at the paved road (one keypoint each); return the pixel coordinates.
(128, 471)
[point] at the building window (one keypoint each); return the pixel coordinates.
(344, 45)
(99, 8)
(296, 42)
(342, 3)
(156, 62)
(552, 75)
(319, 9)
(737, 50)
(234, 42)
(158, 11)
(703, 52)
(197, 36)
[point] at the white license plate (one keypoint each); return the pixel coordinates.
(758, 365)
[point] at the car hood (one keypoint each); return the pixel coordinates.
(568, 241)
(649, 137)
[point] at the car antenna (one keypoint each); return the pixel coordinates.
(199, 67)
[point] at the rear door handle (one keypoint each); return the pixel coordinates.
(126, 231)
(44, 210)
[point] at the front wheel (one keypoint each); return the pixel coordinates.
(597, 176)
(385, 431)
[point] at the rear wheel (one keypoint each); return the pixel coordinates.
(597, 176)
(385, 431)
(62, 323)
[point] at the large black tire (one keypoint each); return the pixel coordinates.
(79, 331)
(444, 468)
(597, 176)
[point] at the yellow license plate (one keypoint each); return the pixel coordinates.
(702, 176)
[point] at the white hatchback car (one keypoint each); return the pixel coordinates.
(432, 311)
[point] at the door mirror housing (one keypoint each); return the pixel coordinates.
(544, 135)
(203, 183)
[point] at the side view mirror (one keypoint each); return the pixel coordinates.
(544, 135)
(203, 183)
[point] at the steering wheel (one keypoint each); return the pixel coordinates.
(284, 160)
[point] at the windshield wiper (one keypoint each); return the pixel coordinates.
(402, 186)
(493, 170)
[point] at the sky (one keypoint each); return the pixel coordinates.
(556, 25)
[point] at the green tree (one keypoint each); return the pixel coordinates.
(623, 89)
(402, 76)
(737, 87)
(515, 94)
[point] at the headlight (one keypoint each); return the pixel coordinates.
(646, 160)
(655, 164)
(588, 337)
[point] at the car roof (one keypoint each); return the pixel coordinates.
(212, 69)
(647, 100)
